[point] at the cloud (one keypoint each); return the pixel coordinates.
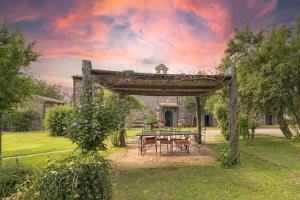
(191, 34)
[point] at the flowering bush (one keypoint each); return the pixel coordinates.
(92, 123)
(56, 119)
(83, 176)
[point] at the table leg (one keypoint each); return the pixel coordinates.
(141, 145)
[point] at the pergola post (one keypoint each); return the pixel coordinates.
(199, 124)
(87, 81)
(234, 138)
(122, 130)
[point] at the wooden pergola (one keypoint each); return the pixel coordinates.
(153, 84)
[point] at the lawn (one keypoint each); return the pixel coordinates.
(270, 170)
(37, 161)
(26, 143)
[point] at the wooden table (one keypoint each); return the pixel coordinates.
(185, 134)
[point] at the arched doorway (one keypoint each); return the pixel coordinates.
(168, 118)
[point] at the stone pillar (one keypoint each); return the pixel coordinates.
(87, 81)
(199, 114)
(234, 137)
(122, 130)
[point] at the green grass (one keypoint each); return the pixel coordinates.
(270, 169)
(26, 143)
(269, 126)
(37, 161)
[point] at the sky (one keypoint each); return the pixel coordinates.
(185, 35)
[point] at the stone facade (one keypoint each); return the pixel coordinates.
(171, 112)
(40, 105)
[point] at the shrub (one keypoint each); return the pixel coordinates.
(20, 120)
(114, 138)
(56, 119)
(92, 123)
(224, 155)
(223, 122)
(77, 177)
(247, 128)
(151, 120)
(11, 174)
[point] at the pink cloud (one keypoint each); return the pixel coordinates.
(216, 16)
(135, 32)
(269, 7)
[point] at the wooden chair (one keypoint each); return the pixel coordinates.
(183, 142)
(165, 138)
(194, 141)
(147, 143)
(131, 141)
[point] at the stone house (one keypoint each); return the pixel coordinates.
(41, 104)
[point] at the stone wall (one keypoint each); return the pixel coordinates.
(41, 107)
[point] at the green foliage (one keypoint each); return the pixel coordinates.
(222, 118)
(76, 177)
(56, 119)
(133, 103)
(15, 84)
(211, 102)
(16, 56)
(224, 155)
(190, 103)
(151, 120)
(20, 120)
(247, 128)
(268, 72)
(92, 123)
(11, 174)
(114, 138)
(40, 87)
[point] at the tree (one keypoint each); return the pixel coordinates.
(151, 120)
(268, 71)
(42, 88)
(15, 81)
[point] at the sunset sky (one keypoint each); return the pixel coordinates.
(185, 35)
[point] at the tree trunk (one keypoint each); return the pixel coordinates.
(234, 138)
(283, 125)
(293, 109)
(199, 125)
(0, 136)
(122, 130)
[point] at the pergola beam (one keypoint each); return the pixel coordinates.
(161, 93)
(178, 87)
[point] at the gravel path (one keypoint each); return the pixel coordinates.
(276, 132)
